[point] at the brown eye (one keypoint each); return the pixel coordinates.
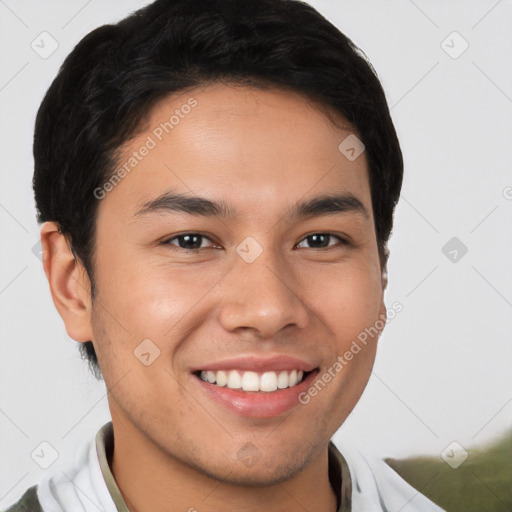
(188, 241)
(321, 240)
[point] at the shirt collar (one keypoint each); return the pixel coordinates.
(104, 449)
(339, 474)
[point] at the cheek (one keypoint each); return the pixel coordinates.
(349, 305)
(154, 299)
(349, 300)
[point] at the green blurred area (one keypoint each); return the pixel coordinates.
(482, 483)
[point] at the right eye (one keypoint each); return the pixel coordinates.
(187, 241)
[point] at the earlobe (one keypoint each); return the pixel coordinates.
(384, 283)
(384, 266)
(384, 280)
(69, 283)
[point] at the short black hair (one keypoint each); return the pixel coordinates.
(116, 73)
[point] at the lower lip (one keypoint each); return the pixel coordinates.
(257, 404)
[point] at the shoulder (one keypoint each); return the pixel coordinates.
(29, 502)
(58, 491)
(376, 486)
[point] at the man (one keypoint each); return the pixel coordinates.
(216, 182)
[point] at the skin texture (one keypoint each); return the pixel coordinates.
(260, 151)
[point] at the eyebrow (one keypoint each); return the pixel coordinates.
(327, 204)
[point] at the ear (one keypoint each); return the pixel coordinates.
(69, 283)
(384, 267)
(384, 282)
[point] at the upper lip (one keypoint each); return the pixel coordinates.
(252, 362)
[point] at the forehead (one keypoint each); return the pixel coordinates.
(245, 145)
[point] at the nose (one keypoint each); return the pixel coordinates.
(262, 296)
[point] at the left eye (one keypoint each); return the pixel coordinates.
(192, 241)
(320, 240)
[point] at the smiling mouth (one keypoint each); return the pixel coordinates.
(249, 381)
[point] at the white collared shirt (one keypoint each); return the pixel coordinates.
(361, 483)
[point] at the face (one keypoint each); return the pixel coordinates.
(264, 282)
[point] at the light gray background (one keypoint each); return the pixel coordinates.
(443, 367)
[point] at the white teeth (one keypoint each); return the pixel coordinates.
(268, 381)
(282, 380)
(222, 378)
(252, 381)
(234, 380)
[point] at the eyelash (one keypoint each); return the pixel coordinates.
(342, 241)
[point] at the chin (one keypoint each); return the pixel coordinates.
(249, 468)
(261, 474)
